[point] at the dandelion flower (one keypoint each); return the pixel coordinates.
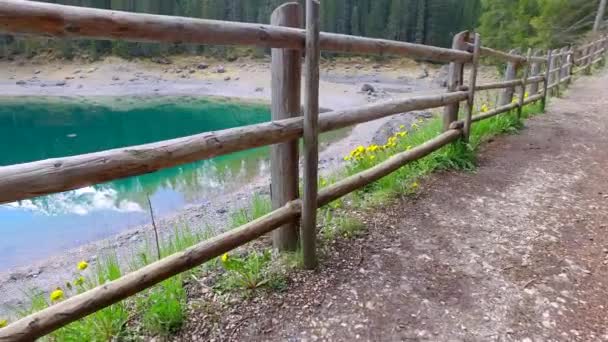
(83, 265)
(402, 127)
(347, 158)
(224, 257)
(485, 108)
(323, 182)
(526, 95)
(415, 185)
(56, 295)
(3, 323)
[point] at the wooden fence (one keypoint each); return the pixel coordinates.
(287, 40)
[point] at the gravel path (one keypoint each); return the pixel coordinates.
(517, 251)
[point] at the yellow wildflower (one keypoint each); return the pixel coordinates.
(401, 134)
(3, 323)
(56, 295)
(485, 108)
(323, 182)
(415, 126)
(526, 95)
(409, 147)
(347, 158)
(415, 185)
(224, 257)
(372, 157)
(515, 100)
(402, 127)
(83, 265)
(79, 281)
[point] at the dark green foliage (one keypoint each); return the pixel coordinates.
(432, 22)
(506, 24)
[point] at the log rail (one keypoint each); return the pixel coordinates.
(28, 180)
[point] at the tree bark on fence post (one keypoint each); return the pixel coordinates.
(308, 228)
(589, 60)
(547, 76)
(455, 79)
(507, 94)
(558, 73)
(522, 91)
(570, 62)
(472, 84)
(534, 71)
(286, 69)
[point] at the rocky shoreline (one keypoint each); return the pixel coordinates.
(343, 84)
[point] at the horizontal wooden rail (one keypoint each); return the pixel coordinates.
(538, 60)
(354, 182)
(30, 17)
(79, 306)
(508, 84)
(507, 57)
(494, 112)
(533, 98)
(28, 180)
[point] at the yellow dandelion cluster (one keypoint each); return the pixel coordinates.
(225, 257)
(370, 152)
(83, 265)
(56, 295)
(3, 323)
(485, 108)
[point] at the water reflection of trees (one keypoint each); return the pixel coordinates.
(48, 129)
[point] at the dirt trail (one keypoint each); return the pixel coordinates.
(517, 251)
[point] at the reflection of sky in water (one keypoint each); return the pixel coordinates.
(43, 226)
(79, 202)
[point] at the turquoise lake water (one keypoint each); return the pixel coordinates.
(40, 128)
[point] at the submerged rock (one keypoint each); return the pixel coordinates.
(368, 88)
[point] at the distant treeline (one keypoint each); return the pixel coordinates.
(503, 24)
(422, 21)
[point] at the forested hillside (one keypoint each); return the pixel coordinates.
(422, 21)
(503, 23)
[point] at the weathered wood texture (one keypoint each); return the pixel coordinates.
(547, 75)
(455, 79)
(534, 71)
(29, 17)
(512, 56)
(286, 70)
(311, 137)
(511, 72)
(23, 181)
(522, 89)
(472, 83)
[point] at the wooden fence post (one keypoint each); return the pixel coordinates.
(522, 91)
(558, 73)
(506, 97)
(286, 69)
(455, 79)
(570, 62)
(589, 60)
(547, 76)
(534, 71)
(472, 84)
(311, 136)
